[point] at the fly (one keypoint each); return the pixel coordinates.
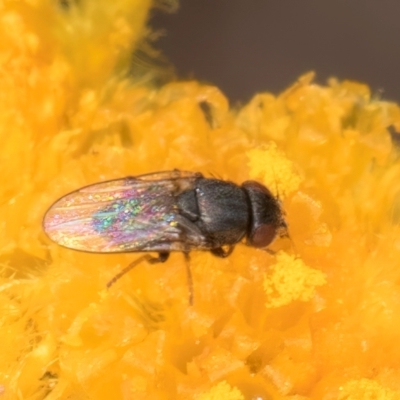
(164, 212)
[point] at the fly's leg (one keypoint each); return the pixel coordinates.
(162, 257)
(189, 277)
(220, 252)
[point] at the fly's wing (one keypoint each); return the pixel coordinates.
(131, 214)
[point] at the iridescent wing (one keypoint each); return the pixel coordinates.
(123, 215)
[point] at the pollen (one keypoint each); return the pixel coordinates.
(290, 279)
(270, 166)
(221, 391)
(366, 389)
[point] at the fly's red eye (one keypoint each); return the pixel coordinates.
(263, 235)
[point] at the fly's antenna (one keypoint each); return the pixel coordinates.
(286, 235)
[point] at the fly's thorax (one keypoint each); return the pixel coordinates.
(266, 219)
(187, 205)
(218, 208)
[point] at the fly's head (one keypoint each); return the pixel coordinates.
(266, 216)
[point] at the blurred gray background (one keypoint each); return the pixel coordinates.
(249, 46)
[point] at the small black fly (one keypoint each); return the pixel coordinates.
(163, 212)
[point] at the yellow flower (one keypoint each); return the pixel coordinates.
(316, 317)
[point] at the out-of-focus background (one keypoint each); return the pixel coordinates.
(249, 46)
